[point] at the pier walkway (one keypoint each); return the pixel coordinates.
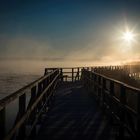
(75, 115)
(70, 104)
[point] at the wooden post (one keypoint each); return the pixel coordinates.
(33, 114)
(61, 74)
(22, 108)
(99, 88)
(103, 91)
(78, 74)
(111, 88)
(45, 71)
(94, 83)
(138, 116)
(72, 74)
(122, 111)
(2, 123)
(111, 104)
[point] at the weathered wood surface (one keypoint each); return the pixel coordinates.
(75, 115)
(121, 101)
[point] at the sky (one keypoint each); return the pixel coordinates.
(87, 31)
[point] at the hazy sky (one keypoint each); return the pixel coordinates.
(86, 30)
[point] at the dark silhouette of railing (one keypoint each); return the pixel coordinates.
(112, 95)
(28, 104)
(69, 74)
(20, 111)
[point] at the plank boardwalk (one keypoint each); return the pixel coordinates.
(75, 115)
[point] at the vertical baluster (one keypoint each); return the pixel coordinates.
(72, 74)
(2, 123)
(45, 71)
(122, 111)
(61, 74)
(99, 88)
(138, 116)
(111, 89)
(78, 74)
(94, 80)
(103, 92)
(111, 105)
(33, 114)
(22, 108)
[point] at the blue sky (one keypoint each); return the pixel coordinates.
(81, 29)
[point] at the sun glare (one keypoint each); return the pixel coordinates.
(128, 36)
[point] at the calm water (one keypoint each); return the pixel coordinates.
(11, 82)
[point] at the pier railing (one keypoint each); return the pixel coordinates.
(121, 101)
(21, 111)
(69, 74)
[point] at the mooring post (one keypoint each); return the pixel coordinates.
(2, 123)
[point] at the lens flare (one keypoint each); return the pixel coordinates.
(128, 36)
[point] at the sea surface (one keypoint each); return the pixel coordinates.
(11, 82)
(14, 74)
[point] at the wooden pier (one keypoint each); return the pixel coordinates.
(72, 103)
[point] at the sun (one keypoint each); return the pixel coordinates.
(128, 36)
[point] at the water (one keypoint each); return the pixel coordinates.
(11, 82)
(14, 74)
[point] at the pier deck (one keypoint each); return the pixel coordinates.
(75, 115)
(72, 103)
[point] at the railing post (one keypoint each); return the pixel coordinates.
(72, 74)
(138, 116)
(33, 114)
(111, 105)
(111, 93)
(122, 111)
(22, 108)
(103, 91)
(2, 123)
(61, 74)
(45, 71)
(111, 88)
(78, 74)
(99, 88)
